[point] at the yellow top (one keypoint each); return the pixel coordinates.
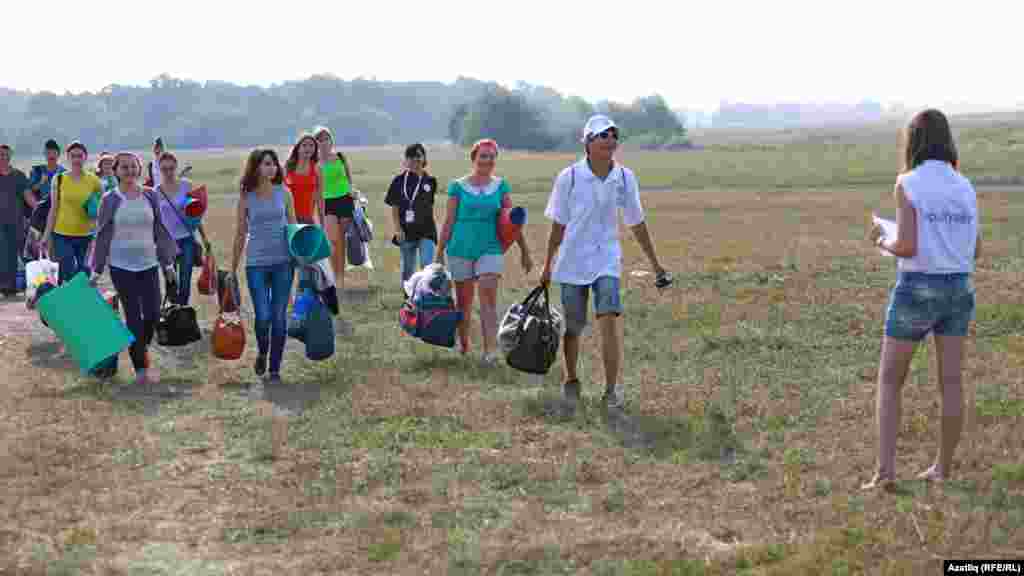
(72, 219)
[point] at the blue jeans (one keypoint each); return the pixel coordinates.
(71, 252)
(424, 248)
(920, 303)
(270, 288)
(186, 260)
(607, 300)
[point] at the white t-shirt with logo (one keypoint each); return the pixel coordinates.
(589, 210)
(947, 219)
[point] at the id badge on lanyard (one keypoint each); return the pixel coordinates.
(410, 214)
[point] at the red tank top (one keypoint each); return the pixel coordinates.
(302, 187)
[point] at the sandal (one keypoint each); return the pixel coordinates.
(879, 483)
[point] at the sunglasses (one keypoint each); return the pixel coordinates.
(486, 156)
(610, 133)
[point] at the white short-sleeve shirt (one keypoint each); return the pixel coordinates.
(589, 209)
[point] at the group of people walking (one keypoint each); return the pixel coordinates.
(139, 231)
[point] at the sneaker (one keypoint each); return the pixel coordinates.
(261, 365)
(274, 378)
(613, 398)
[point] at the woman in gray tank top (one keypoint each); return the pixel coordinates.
(264, 211)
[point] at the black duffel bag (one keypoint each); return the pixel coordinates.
(178, 325)
(530, 332)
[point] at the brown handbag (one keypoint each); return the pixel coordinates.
(228, 341)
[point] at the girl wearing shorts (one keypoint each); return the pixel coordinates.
(339, 205)
(936, 245)
(470, 238)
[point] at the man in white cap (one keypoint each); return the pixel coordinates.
(583, 208)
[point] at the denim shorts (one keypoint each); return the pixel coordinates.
(607, 300)
(921, 303)
(463, 269)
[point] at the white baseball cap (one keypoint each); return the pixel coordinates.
(595, 125)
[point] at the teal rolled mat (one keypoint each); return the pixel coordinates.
(307, 243)
(87, 326)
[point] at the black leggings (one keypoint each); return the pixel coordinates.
(139, 293)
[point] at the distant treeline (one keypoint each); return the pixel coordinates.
(795, 115)
(190, 115)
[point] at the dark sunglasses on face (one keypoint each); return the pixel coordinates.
(486, 156)
(606, 135)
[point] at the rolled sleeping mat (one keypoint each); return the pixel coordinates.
(510, 226)
(307, 243)
(198, 202)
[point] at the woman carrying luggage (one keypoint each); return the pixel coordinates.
(173, 194)
(470, 237)
(133, 240)
(264, 211)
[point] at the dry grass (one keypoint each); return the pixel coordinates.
(749, 428)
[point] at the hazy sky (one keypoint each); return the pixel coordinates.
(694, 53)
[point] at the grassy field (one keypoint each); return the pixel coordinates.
(749, 427)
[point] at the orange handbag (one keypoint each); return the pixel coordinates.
(228, 339)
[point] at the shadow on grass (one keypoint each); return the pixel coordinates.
(710, 437)
(123, 391)
(465, 368)
(44, 355)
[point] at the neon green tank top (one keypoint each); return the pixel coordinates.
(336, 184)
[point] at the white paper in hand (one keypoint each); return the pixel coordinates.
(889, 229)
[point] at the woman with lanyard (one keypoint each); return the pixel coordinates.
(339, 206)
(132, 239)
(411, 197)
(470, 236)
(174, 195)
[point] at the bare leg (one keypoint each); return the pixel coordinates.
(464, 302)
(611, 349)
(892, 372)
(950, 351)
(337, 238)
(489, 311)
(571, 353)
(340, 271)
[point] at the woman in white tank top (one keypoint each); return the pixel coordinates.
(936, 244)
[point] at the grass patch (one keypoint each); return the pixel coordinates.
(681, 567)
(399, 433)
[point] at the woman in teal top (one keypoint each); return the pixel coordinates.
(470, 237)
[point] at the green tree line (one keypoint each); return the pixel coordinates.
(191, 115)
